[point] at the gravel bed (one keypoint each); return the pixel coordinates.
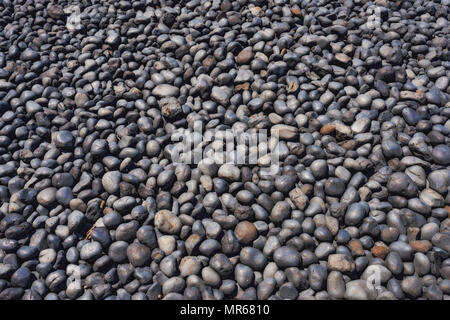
(116, 180)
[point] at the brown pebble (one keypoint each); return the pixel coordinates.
(348, 145)
(296, 11)
(380, 251)
(167, 222)
(242, 86)
(421, 245)
(209, 62)
(356, 248)
(418, 96)
(255, 11)
(292, 87)
(327, 129)
(245, 232)
(245, 56)
(342, 59)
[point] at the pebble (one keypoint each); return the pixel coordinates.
(165, 90)
(286, 257)
(167, 222)
(340, 262)
(138, 254)
(245, 232)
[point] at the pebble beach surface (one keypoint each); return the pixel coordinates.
(354, 96)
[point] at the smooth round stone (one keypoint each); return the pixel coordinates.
(209, 247)
(323, 250)
(138, 254)
(118, 251)
(166, 179)
(356, 290)
(127, 231)
(29, 55)
(288, 291)
(280, 212)
(253, 258)
(190, 266)
(91, 251)
(152, 148)
(428, 230)
(335, 285)
(364, 100)
(124, 204)
(111, 180)
(334, 187)
(245, 232)
(243, 275)
(412, 286)
(244, 56)
(75, 220)
(47, 256)
(342, 237)
(286, 257)
(265, 288)
(391, 149)
(165, 90)
(22, 277)
(317, 275)
(47, 197)
(284, 183)
(167, 244)
(319, 169)
(146, 235)
(12, 293)
(245, 197)
(431, 198)
(403, 249)
(208, 167)
(399, 183)
(27, 252)
(167, 222)
(421, 264)
(64, 139)
(64, 196)
(411, 116)
(211, 200)
(441, 154)
(394, 263)
(323, 234)
(356, 212)
(210, 277)
(439, 180)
